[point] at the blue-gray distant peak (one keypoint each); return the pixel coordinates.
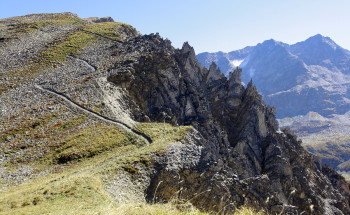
(318, 38)
(317, 43)
(312, 75)
(320, 50)
(272, 42)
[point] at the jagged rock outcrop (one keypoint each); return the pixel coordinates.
(245, 159)
(235, 154)
(312, 75)
(306, 78)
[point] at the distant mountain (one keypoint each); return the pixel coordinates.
(313, 75)
(308, 83)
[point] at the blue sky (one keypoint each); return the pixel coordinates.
(221, 25)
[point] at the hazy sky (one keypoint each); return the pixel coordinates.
(208, 25)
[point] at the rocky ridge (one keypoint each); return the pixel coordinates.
(312, 75)
(234, 154)
(309, 78)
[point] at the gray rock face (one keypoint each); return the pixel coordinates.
(235, 154)
(214, 73)
(308, 77)
(244, 159)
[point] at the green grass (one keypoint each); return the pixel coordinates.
(53, 56)
(44, 126)
(74, 194)
(176, 209)
(108, 29)
(92, 141)
(69, 46)
(100, 138)
(84, 194)
(162, 132)
(26, 128)
(71, 123)
(77, 194)
(99, 108)
(97, 150)
(55, 20)
(24, 27)
(78, 188)
(162, 136)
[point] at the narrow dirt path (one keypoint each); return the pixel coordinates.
(96, 115)
(92, 67)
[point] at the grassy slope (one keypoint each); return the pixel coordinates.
(79, 189)
(92, 153)
(55, 53)
(77, 153)
(109, 30)
(76, 186)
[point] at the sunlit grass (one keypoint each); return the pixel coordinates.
(76, 187)
(110, 30)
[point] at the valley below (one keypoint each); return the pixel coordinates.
(328, 138)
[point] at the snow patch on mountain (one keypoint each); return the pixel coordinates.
(236, 62)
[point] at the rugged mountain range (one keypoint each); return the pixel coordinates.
(313, 75)
(308, 83)
(94, 113)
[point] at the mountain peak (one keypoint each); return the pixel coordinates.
(272, 42)
(320, 39)
(269, 42)
(186, 47)
(317, 36)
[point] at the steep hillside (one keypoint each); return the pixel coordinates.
(96, 117)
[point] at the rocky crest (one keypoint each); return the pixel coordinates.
(235, 154)
(312, 75)
(301, 80)
(245, 158)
